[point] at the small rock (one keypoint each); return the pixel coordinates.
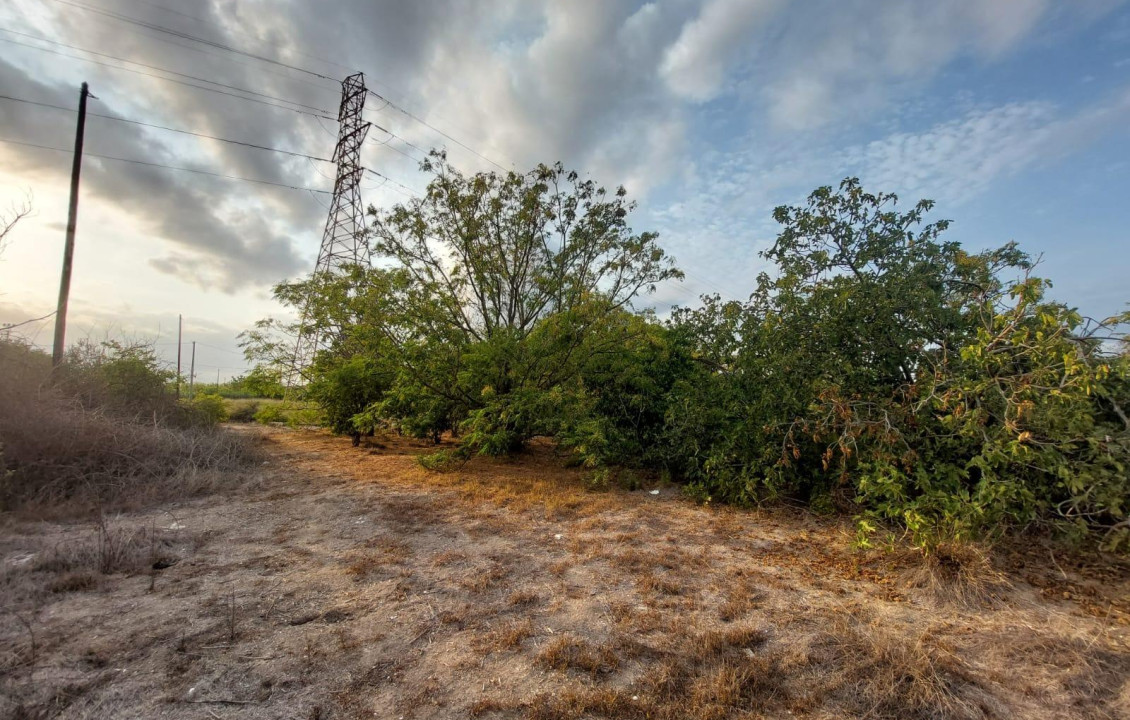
(558, 536)
(654, 492)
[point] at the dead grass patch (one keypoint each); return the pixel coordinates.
(485, 705)
(507, 635)
(480, 580)
(955, 572)
(660, 584)
(448, 557)
(380, 553)
(567, 652)
(523, 598)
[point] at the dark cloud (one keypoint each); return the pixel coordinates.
(187, 210)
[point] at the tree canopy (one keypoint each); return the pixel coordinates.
(876, 367)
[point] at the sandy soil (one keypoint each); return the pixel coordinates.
(335, 582)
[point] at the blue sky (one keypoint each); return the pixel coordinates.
(1014, 115)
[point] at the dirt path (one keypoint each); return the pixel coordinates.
(341, 583)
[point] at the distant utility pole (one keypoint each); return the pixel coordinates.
(192, 373)
(180, 329)
(72, 222)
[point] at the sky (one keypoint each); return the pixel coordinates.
(1013, 115)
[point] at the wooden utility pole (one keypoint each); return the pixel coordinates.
(192, 372)
(69, 247)
(180, 328)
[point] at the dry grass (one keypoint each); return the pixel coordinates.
(523, 598)
(378, 554)
(567, 652)
(363, 586)
(481, 579)
(508, 635)
(957, 572)
(60, 455)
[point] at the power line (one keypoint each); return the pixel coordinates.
(4, 328)
(222, 46)
(426, 124)
(323, 111)
(171, 167)
(391, 135)
(157, 37)
(209, 23)
(388, 179)
(205, 41)
(172, 80)
(176, 130)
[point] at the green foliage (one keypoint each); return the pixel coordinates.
(442, 460)
(270, 414)
(495, 292)
(876, 368)
(883, 367)
(205, 409)
(242, 411)
(124, 378)
(259, 382)
(345, 389)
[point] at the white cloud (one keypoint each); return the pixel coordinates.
(957, 160)
(695, 66)
(847, 59)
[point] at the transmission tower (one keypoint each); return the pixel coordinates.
(343, 241)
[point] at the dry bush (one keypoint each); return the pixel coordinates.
(59, 453)
(956, 572)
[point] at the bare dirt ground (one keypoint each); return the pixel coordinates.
(336, 582)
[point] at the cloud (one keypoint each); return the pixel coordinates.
(848, 58)
(695, 65)
(957, 160)
(810, 64)
(187, 211)
(711, 111)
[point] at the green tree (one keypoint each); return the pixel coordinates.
(513, 281)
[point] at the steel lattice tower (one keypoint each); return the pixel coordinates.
(343, 241)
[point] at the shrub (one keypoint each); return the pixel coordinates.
(269, 414)
(242, 411)
(883, 367)
(67, 453)
(123, 378)
(206, 409)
